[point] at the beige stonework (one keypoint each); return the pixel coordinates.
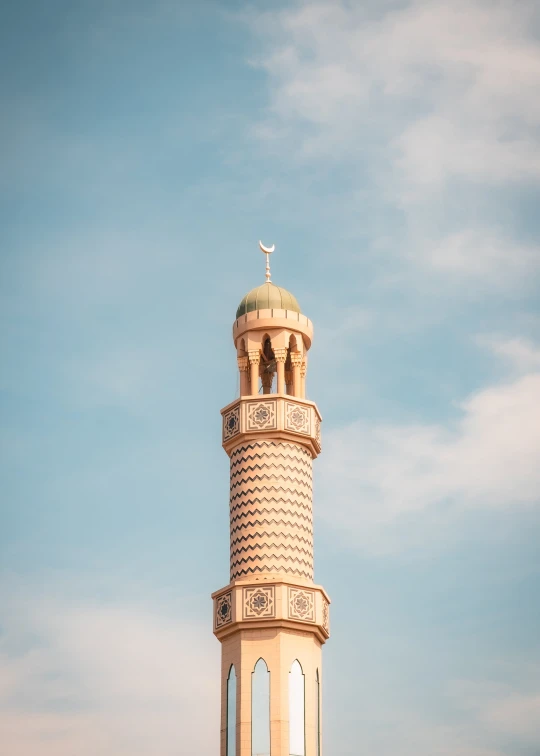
(272, 417)
(271, 609)
(279, 648)
(271, 523)
(271, 601)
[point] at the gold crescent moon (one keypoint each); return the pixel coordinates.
(266, 250)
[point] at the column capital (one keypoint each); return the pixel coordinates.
(280, 354)
(303, 369)
(296, 359)
(243, 364)
(254, 356)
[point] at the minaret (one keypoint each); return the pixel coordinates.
(271, 619)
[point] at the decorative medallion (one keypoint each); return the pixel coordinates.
(301, 605)
(296, 418)
(259, 602)
(261, 415)
(326, 616)
(223, 610)
(231, 423)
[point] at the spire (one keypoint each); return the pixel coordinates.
(267, 251)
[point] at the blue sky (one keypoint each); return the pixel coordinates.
(391, 151)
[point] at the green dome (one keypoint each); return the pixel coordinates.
(267, 297)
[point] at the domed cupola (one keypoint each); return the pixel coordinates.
(268, 296)
(272, 338)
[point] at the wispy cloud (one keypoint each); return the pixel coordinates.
(92, 678)
(486, 255)
(521, 355)
(432, 103)
(461, 79)
(486, 457)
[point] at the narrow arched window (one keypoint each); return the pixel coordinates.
(318, 712)
(231, 712)
(268, 365)
(260, 710)
(297, 711)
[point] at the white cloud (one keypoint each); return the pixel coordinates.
(370, 476)
(522, 355)
(452, 86)
(434, 101)
(482, 254)
(108, 679)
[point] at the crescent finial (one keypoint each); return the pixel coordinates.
(267, 251)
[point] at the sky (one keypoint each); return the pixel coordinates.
(391, 151)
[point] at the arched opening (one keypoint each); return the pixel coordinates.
(260, 710)
(268, 365)
(231, 713)
(297, 711)
(243, 367)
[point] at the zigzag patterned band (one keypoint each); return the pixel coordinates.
(271, 509)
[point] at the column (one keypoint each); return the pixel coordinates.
(288, 382)
(243, 367)
(296, 360)
(303, 371)
(266, 379)
(254, 360)
(280, 357)
(243, 714)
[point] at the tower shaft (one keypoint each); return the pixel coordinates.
(271, 519)
(271, 619)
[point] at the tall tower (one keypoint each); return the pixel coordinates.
(271, 619)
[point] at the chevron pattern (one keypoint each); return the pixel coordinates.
(270, 509)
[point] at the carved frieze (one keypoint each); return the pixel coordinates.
(231, 423)
(301, 605)
(268, 414)
(326, 616)
(282, 602)
(223, 610)
(259, 602)
(261, 415)
(297, 418)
